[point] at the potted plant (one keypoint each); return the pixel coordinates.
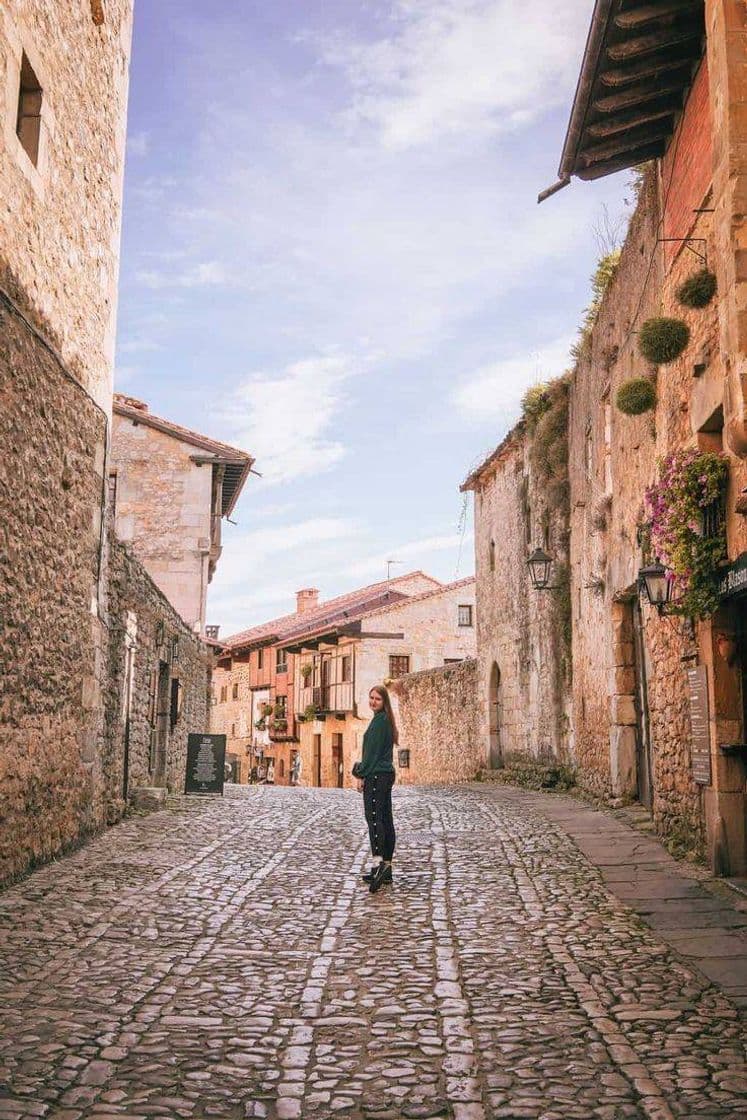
(636, 395)
(698, 290)
(663, 339)
(267, 709)
(310, 712)
(306, 672)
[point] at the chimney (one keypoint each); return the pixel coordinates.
(212, 632)
(306, 600)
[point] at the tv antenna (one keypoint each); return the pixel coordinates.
(389, 567)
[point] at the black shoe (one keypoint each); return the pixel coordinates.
(367, 876)
(380, 875)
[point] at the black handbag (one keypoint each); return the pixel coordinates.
(357, 769)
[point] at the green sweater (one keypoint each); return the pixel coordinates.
(377, 747)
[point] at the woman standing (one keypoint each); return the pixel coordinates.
(375, 774)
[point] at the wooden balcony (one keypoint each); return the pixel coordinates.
(328, 698)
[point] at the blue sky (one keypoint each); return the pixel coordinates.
(333, 257)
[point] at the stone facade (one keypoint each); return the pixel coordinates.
(245, 682)
(439, 727)
(158, 466)
(51, 645)
(61, 269)
(636, 710)
(424, 628)
(158, 683)
(58, 276)
(523, 655)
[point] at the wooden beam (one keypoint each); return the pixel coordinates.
(664, 40)
(636, 138)
(609, 126)
(651, 67)
(636, 95)
(634, 18)
(631, 159)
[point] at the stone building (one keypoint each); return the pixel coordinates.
(403, 626)
(254, 698)
(675, 699)
(101, 679)
(170, 488)
(63, 101)
(659, 692)
(523, 635)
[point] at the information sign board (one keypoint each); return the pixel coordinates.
(699, 723)
(206, 761)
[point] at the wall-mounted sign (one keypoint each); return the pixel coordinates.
(700, 731)
(733, 580)
(206, 760)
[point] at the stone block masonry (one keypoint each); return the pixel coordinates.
(438, 724)
(157, 688)
(53, 439)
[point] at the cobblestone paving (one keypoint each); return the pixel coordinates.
(223, 959)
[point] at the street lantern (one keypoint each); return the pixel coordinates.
(653, 578)
(539, 564)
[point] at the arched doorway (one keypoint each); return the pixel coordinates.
(494, 710)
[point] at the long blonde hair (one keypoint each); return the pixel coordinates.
(384, 694)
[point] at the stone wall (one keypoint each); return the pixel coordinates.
(437, 715)
(156, 472)
(523, 659)
(163, 650)
(51, 645)
(60, 267)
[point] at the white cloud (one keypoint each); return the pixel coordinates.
(494, 391)
(416, 551)
(200, 275)
(138, 144)
(450, 67)
(284, 420)
(138, 346)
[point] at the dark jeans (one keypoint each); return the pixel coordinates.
(377, 802)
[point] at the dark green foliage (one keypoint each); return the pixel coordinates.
(661, 340)
(535, 403)
(698, 290)
(549, 450)
(636, 396)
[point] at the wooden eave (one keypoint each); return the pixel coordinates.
(637, 70)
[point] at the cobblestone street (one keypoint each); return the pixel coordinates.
(223, 959)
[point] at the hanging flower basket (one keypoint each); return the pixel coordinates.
(698, 290)
(662, 340)
(684, 535)
(636, 396)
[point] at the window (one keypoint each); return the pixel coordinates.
(281, 661)
(347, 669)
(398, 665)
(235, 691)
(224, 694)
(281, 707)
(260, 658)
(28, 120)
(492, 556)
(453, 660)
(465, 614)
(175, 707)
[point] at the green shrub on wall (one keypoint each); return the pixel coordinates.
(698, 290)
(661, 340)
(636, 396)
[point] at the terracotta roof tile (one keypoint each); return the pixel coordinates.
(341, 608)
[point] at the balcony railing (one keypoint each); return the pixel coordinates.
(328, 697)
